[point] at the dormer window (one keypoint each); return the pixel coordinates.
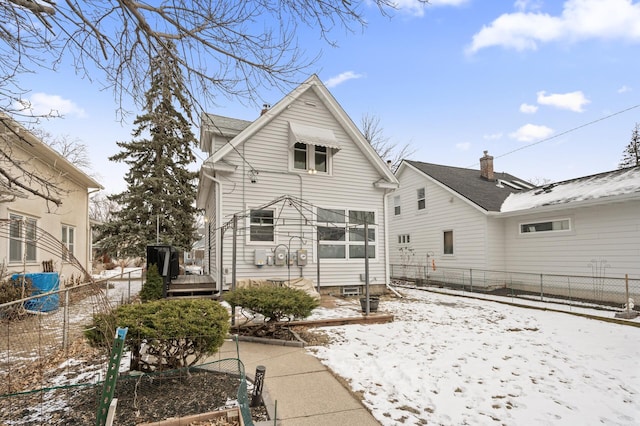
(312, 148)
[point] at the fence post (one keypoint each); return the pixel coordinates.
(65, 320)
(471, 280)
(541, 289)
(129, 289)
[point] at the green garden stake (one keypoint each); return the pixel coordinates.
(112, 375)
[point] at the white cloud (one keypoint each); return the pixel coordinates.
(341, 78)
(573, 101)
(492, 136)
(417, 8)
(624, 89)
(44, 104)
(531, 132)
(579, 20)
(528, 109)
(522, 5)
(463, 146)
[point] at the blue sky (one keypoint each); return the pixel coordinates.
(531, 81)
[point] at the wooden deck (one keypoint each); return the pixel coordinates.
(193, 286)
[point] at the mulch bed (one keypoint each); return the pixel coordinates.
(141, 399)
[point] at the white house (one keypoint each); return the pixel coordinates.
(301, 181)
(33, 228)
(451, 217)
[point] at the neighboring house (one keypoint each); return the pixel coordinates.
(448, 216)
(32, 229)
(462, 218)
(301, 180)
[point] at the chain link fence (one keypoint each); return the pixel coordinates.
(49, 375)
(597, 290)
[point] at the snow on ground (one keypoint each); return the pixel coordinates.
(450, 360)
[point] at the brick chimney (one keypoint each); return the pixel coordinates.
(486, 167)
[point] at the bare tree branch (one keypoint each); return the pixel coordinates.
(225, 49)
(389, 151)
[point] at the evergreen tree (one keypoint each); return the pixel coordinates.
(161, 191)
(631, 154)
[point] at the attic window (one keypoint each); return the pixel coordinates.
(312, 148)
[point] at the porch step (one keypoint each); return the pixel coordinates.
(192, 286)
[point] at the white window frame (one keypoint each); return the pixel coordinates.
(311, 151)
(421, 198)
(538, 227)
(250, 225)
(19, 233)
(397, 208)
(348, 231)
(444, 243)
(68, 242)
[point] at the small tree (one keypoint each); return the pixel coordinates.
(631, 154)
(152, 287)
(274, 303)
(165, 334)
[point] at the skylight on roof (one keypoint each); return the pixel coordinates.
(511, 184)
(524, 184)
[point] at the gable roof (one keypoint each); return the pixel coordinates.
(593, 189)
(312, 83)
(486, 194)
(224, 126)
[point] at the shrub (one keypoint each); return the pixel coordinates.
(15, 289)
(164, 334)
(274, 303)
(152, 287)
(11, 290)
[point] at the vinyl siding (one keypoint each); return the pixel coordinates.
(444, 211)
(348, 186)
(607, 233)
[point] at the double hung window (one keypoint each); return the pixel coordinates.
(422, 199)
(68, 241)
(22, 238)
(261, 225)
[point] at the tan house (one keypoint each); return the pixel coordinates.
(44, 206)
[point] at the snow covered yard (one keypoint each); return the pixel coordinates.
(451, 361)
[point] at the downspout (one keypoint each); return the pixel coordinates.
(387, 277)
(89, 236)
(218, 206)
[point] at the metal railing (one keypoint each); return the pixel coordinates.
(611, 291)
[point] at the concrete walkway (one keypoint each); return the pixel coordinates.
(305, 391)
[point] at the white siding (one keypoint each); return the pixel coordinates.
(349, 186)
(608, 233)
(444, 211)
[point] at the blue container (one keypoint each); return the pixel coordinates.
(42, 282)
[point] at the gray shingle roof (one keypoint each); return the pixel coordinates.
(469, 184)
(225, 126)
